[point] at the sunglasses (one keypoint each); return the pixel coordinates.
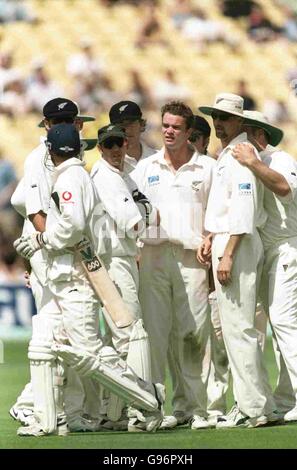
(221, 116)
(111, 141)
(67, 120)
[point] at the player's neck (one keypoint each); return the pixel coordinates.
(135, 150)
(178, 157)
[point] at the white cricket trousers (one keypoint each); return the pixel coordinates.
(279, 284)
(237, 307)
(173, 294)
(216, 361)
(124, 273)
(79, 393)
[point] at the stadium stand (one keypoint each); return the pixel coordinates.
(113, 31)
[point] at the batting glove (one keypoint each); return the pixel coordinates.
(27, 245)
(144, 206)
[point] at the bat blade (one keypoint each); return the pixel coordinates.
(103, 286)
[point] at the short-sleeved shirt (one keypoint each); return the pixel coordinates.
(37, 180)
(75, 208)
(235, 204)
(130, 162)
(180, 197)
(122, 211)
(281, 211)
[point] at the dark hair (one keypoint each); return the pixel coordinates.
(267, 135)
(178, 108)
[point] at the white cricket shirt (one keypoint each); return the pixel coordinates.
(37, 180)
(181, 197)
(75, 208)
(282, 211)
(130, 162)
(235, 203)
(122, 212)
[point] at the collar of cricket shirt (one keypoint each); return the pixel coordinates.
(160, 158)
(242, 137)
(103, 162)
(268, 151)
(67, 163)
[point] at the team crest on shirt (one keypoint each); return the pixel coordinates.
(244, 189)
(152, 180)
(196, 185)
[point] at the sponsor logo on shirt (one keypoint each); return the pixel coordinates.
(196, 185)
(153, 180)
(244, 189)
(220, 170)
(66, 197)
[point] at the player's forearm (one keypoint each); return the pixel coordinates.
(232, 245)
(64, 234)
(38, 220)
(270, 178)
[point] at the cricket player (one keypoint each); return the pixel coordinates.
(125, 222)
(278, 172)
(234, 214)
(216, 365)
(31, 199)
(128, 115)
(173, 284)
(75, 213)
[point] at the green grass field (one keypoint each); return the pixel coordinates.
(14, 374)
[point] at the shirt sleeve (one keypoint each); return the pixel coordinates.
(35, 185)
(71, 199)
(243, 199)
(284, 164)
(18, 199)
(118, 202)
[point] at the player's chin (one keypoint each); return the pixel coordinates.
(170, 143)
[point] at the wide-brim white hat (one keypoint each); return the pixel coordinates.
(257, 119)
(226, 102)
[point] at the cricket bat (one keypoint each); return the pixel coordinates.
(103, 286)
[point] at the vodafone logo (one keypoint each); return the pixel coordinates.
(66, 196)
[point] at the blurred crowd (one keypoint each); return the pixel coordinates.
(92, 87)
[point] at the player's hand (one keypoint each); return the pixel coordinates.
(224, 270)
(27, 245)
(245, 154)
(145, 207)
(27, 279)
(204, 251)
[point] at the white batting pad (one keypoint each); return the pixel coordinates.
(113, 373)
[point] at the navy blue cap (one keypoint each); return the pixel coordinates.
(63, 140)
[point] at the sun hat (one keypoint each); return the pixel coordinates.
(257, 119)
(227, 103)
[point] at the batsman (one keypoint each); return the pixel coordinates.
(75, 213)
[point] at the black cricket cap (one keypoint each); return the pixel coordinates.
(124, 111)
(201, 124)
(60, 108)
